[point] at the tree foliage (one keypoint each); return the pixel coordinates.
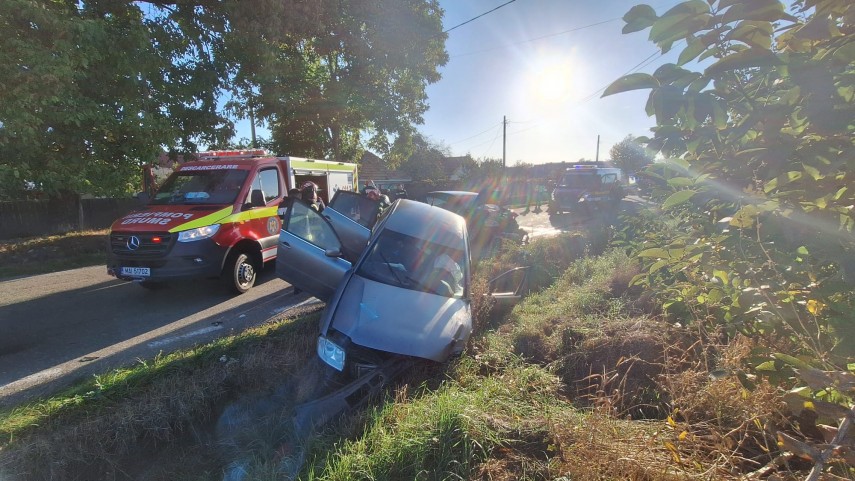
(90, 90)
(364, 69)
(426, 160)
(758, 192)
(630, 156)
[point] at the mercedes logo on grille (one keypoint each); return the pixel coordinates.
(133, 243)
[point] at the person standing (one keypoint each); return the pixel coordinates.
(309, 193)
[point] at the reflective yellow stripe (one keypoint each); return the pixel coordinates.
(217, 218)
(214, 218)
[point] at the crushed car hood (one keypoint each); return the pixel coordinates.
(400, 321)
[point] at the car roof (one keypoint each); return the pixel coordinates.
(424, 221)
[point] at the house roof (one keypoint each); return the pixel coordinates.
(373, 168)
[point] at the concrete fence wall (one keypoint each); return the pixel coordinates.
(29, 218)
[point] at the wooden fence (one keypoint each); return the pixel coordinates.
(30, 218)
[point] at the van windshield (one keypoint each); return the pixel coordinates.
(201, 187)
(580, 180)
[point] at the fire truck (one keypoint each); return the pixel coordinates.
(216, 217)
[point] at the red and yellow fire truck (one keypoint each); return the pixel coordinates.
(216, 217)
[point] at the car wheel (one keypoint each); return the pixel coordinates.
(240, 272)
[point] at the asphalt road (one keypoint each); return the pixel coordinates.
(55, 328)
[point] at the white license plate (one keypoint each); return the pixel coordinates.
(136, 271)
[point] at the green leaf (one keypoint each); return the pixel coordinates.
(802, 250)
(792, 361)
(766, 10)
(658, 265)
(654, 252)
(629, 82)
(782, 180)
(638, 18)
(766, 366)
(845, 54)
(753, 34)
(677, 22)
(749, 58)
(680, 182)
(744, 217)
(812, 171)
(693, 49)
(678, 198)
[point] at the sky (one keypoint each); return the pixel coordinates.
(543, 65)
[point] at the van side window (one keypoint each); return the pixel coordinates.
(267, 180)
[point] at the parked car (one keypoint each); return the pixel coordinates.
(486, 221)
(401, 288)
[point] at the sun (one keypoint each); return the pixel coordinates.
(553, 80)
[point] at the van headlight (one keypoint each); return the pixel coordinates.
(198, 234)
(331, 353)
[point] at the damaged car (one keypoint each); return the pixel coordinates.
(401, 288)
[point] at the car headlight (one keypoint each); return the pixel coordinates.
(198, 234)
(331, 353)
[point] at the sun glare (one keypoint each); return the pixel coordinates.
(552, 81)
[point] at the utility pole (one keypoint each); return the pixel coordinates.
(597, 158)
(252, 121)
(504, 139)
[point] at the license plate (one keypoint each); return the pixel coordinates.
(136, 271)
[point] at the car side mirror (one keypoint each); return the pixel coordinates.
(332, 252)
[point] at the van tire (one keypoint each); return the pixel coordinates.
(240, 272)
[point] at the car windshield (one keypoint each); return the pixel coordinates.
(579, 180)
(410, 263)
(459, 204)
(220, 186)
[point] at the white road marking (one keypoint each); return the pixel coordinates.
(197, 332)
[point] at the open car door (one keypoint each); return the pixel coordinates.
(317, 248)
(357, 207)
(509, 287)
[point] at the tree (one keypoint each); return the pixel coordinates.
(363, 70)
(630, 156)
(759, 182)
(426, 161)
(90, 90)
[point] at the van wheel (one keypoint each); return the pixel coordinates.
(240, 272)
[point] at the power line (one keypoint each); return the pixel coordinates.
(529, 40)
(473, 136)
(479, 16)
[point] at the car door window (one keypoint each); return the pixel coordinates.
(307, 224)
(356, 206)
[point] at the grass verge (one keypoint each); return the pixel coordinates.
(39, 255)
(111, 426)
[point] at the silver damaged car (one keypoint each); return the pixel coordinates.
(398, 288)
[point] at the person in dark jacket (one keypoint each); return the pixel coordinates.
(309, 192)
